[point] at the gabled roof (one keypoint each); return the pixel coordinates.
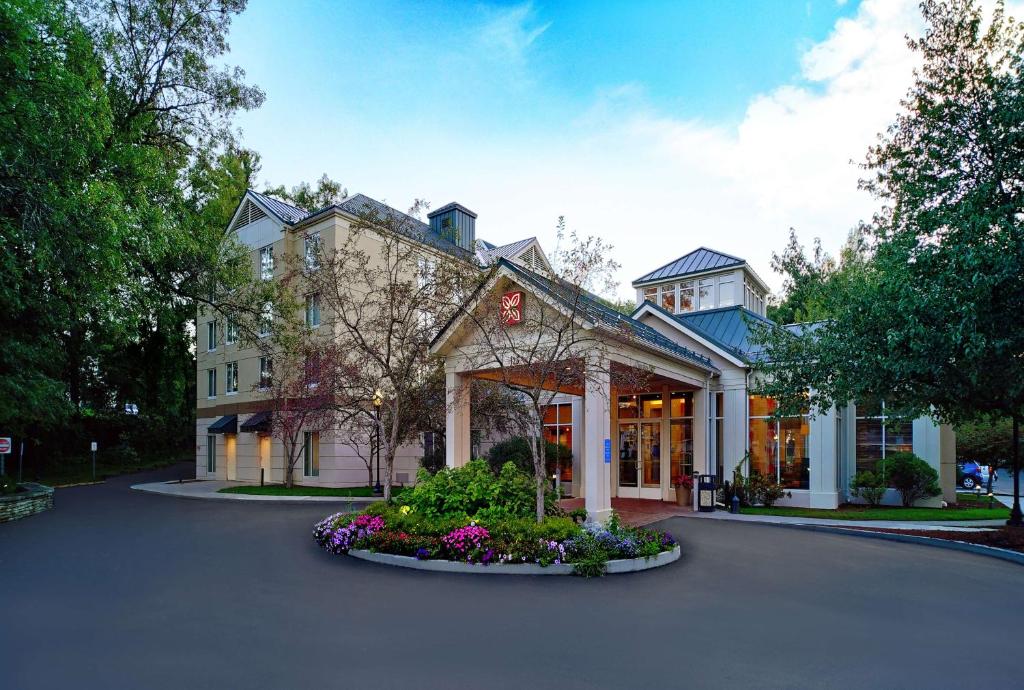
(355, 205)
(699, 260)
(488, 253)
(284, 211)
(592, 309)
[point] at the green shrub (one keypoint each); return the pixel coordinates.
(868, 486)
(556, 529)
(7, 484)
(579, 515)
(762, 489)
(911, 476)
(517, 451)
(473, 490)
(432, 462)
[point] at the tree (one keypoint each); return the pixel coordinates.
(327, 193)
(932, 322)
(551, 349)
(385, 290)
(806, 277)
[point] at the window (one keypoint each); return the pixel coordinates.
(312, 370)
(267, 262)
(779, 446)
(211, 383)
(211, 336)
(211, 453)
(681, 433)
(313, 310)
(668, 298)
(266, 372)
(718, 433)
(231, 378)
(880, 435)
(558, 430)
(651, 295)
(266, 319)
(706, 293)
(231, 331)
(311, 249)
(686, 301)
(311, 454)
(726, 295)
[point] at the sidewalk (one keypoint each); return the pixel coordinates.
(207, 489)
(940, 525)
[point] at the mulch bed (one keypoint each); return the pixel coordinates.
(1003, 538)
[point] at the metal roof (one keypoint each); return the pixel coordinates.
(593, 309)
(698, 261)
(284, 211)
(728, 328)
(488, 253)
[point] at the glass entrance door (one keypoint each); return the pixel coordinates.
(640, 460)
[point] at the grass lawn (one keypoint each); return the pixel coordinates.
(281, 490)
(969, 509)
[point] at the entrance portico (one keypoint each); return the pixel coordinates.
(624, 360)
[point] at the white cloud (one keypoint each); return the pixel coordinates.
(657, 186)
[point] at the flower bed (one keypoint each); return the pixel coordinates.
(558, 541)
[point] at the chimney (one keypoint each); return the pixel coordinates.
(455, 223)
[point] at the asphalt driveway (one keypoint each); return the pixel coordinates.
(121, 589)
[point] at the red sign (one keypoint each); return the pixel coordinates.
(512, 308)
(5, 446)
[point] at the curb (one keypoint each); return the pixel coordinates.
(249, 498)
(867, 533)
(614, 567)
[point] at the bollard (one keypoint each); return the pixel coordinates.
(261, 476)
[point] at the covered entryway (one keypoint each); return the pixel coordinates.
(635, 436)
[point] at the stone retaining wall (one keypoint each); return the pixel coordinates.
(35, 499)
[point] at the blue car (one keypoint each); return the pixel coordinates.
(971, 474)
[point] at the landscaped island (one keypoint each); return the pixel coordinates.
(472, 516)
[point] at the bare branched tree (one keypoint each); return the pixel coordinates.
(553, 345)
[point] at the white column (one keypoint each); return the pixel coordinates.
(456, 443)
(597, 431)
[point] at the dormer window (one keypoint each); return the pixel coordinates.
(651, 295)
(706, 293)
(686, 301)
(668, 298)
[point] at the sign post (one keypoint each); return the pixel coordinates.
(5, 448)
(92, 447)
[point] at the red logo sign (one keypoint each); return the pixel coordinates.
(512, 308)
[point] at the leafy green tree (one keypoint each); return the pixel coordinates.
(806, 277)
(327, 193)
(111, 118)
(932, 323)
(988, 439)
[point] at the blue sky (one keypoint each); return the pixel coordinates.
(661, 126)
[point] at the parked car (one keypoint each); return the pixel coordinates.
(972, 473)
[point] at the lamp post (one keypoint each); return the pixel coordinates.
(378, 400)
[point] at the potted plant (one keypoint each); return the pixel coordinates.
(683, 484)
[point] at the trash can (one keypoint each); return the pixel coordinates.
(706, 493)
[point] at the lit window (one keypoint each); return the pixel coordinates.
(681, 432)
(267, 262)
(558, 431)
(779, 446)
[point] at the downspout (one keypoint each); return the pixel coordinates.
(708, 426)
(746, 417)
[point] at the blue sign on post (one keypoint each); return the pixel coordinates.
(608, 451)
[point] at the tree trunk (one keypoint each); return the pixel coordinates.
(539, 471)
(389, 464)
(289, 467)
(1015, 512)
